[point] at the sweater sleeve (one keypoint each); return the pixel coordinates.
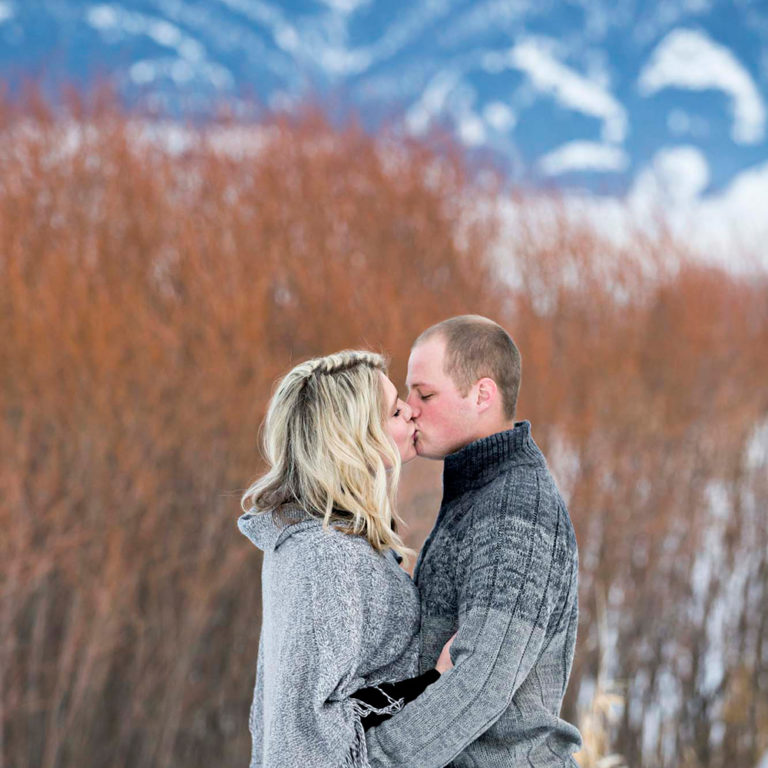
(504, 607)
(337, 605)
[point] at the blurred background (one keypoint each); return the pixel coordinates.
(195, 195)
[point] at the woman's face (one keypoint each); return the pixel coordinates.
(397, 421)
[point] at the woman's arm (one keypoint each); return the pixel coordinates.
(308, 716)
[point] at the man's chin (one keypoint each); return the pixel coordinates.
(423, 451)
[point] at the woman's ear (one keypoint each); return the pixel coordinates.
(486, 394)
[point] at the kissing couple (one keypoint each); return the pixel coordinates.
(360, 666)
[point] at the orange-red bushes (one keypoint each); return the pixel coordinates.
(152, 292)
(150, 299)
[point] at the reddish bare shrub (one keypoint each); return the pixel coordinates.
(151, 297)
(645, 378)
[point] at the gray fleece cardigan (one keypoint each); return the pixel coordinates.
(337, 616)
(501, 566)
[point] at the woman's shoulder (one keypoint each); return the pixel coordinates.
(306, 543)
(335, 563)
(329, 541)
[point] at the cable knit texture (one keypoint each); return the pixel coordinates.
(501, 567)
(337, 616)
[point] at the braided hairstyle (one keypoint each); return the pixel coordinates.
(328, 451)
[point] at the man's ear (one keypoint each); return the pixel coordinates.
(487, 392)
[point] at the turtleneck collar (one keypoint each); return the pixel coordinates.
(477, 463)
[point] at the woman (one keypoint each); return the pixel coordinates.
(340, 616)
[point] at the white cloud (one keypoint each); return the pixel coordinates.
(142, 72)
(406, 26)
(482, 17)
(165, 34)
(102, 17)
(180, 71)
(345, 6)
(325, 46)
(743, 204)
(284, 34)
(450, 96)
(191, 64)
(432, 102)
(342, 61)
(6, 12)
(677, 175)
(728, 229)
(584, 156)
(568, 87)
(287, 38)
(499, 116)
(471, 130)
(690, 59)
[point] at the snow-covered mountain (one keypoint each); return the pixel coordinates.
(609, 96)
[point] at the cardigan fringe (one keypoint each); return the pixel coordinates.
(358, 754)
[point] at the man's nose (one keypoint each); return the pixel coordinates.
(412, 403)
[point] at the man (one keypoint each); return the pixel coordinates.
(500, 566)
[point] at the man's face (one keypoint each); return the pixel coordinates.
(445, 421)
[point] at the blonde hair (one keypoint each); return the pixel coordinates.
(325, 442)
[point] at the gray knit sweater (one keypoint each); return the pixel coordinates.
(336, 616)
(501, 566)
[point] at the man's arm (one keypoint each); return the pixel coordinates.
(380, 696)
(504, 610)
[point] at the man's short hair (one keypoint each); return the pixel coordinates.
(475, 348)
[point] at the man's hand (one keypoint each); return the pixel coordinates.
(444, 663)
